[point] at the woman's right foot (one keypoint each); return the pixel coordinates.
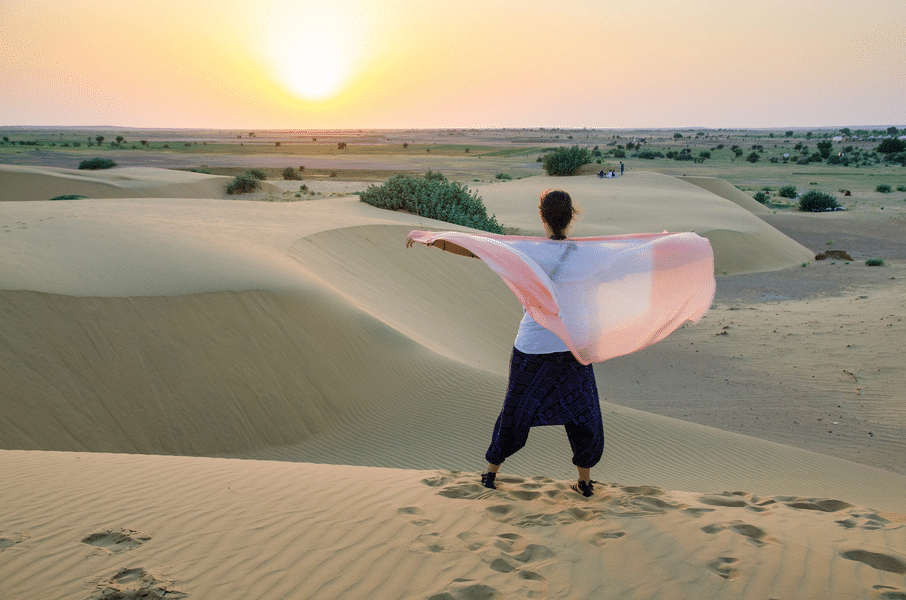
(487, 480)
(586, 488)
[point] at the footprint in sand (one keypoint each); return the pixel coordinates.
(467, 589)
(116, 541)
(756, 535)
(135, 584)
(875, 560)
(414, 515)
(725, 566)
(10, 539)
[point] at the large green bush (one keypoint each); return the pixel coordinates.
(244, 183)
(815, 201)
(891, 146)
(787, 191)
(433, 197)
(97, 163)
(565, 161)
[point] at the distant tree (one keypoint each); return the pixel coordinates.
(144, 142)
(120, 139)
(808, 135)
(677, 135)
(341, 146)
(846, 131)
(5, 138)
(787, 191)
(290, 173)
(892, 131)
(788, 133)
(99, 139)
(753, 157)
(891, 146)
(825, 147)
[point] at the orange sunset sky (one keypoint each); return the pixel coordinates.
(487, 63)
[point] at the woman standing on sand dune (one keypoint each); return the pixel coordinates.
(547, 385)
(586, 300)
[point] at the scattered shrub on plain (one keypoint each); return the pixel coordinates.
(257, 174)
(565, 161)
(787, 191)
(883, 188)
(244, 183)
(815, 201)
(70, 197)
(96, 163)
(504, 176)
(761, 197)
(901, 188)
(290, 174)
(875, 262)
(434, 197)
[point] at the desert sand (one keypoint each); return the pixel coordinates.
(206, 397)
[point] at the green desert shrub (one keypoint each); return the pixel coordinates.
(787, 191)
(503, 176)
(650, 154)
(901, 188)
(290, 174)
(244, 183)
(875, 262)
(883, 188)
(891, 146)
(565, 161)
(70, 197)
(761, 197)
(815, 201)
(97, 163)
(434, 197)
(754, 157)
(257, 174)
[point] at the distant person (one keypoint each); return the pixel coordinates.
(621, 167)
(601, 173)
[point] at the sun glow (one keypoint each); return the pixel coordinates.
(315, 49)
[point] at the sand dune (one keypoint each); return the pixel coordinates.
(306, 333)
(651, 202)
(21, 183)
(101, 526)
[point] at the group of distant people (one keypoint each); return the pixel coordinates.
(611, 173)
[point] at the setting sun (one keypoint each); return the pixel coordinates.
(314, 51)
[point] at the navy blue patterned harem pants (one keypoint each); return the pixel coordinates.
(549, 389)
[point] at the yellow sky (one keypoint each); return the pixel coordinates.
(489, 63)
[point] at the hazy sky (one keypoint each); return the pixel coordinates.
(466, 63)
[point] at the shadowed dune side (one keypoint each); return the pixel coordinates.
(727, 190)
(650, 202)
(24, 183)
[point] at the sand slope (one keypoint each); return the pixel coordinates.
(95, 526)
(19, 183)
(651, 202)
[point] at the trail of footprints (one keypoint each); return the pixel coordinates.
(541, 502)
(128, 583)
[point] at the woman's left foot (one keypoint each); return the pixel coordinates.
(487, 480)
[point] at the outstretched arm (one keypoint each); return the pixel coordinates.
(446, 247)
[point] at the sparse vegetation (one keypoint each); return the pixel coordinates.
(434, 197)
(96, 163)
(883, 188)
(70, 197)
(875, 262)
(816, 201)
(503, 176)
(761, 197)
(244, 183)
(565, 161)
(257, 174)
(290, 173)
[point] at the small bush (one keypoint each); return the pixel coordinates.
(901, 188)
(94, 164)
(565, 161)
(875, 262)
(504, 176)
(761, 197)
(650, 154)
(244, 183)
(815, 201)
(290, 174)
(257, 174)
(432, 197)
(70, 197)
(883, 188)
(753, 157)
(787, 191)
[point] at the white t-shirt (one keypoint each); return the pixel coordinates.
(532, 338)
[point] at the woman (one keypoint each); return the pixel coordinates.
(547, 385)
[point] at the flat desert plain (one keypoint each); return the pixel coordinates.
(205, 396)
